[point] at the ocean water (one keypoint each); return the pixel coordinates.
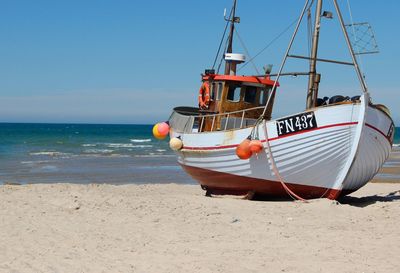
(396, 140)
(78, 153)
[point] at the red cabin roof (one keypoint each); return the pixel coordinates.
(252, 79)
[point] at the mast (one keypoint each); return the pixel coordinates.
(230, 41)
(314, 78)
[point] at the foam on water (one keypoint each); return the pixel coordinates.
(89, 145)
(50, 153)
(45, 169)
(151, 155)
(141, 140)
(49, 168)
(98, 151)
(35, 161)
(142, 146)
(127, 145)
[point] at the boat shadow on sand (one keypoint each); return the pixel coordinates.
(345, 200)
(369, 200)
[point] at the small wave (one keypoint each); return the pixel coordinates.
(118, 155)
(45, 169)
(98, 151)
(161, 150)
(153, 155)
(89, 145)
(49, 168)
(141, 140)
(120, 145)
(142, 146)
(396, 145)
(391, 164)
(97, 155)
(127, 145)
(50, 153)
(34, 162)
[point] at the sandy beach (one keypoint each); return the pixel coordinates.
(174, 228)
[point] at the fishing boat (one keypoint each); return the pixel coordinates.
(231, 144)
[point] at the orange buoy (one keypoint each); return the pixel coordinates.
(156, 134)
(256, 146)
(243, 150)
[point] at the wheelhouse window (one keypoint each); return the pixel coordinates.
(216, 90)
(264, 93)
(219, 90)
(233, 93)
(250, 94)
(213, 90)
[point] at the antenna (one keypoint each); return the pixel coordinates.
(232, 20)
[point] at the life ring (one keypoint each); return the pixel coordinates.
(204, 95)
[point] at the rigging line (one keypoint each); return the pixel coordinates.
(222, 40)
(309, 28)
(269, 44)
(355, 35)
(350, 48)
(273, 89)
(247, 52)
(309, 34)
(222, 57)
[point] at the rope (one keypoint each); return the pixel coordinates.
(355, 36)
(276, 171)
(222, 40)
(269, 44)
(247, 52)
(222, 57)
(273, 89)
(309, 30)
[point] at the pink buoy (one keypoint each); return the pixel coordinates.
(156, 134)
(163, 128)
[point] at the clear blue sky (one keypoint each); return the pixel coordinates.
(124, 61)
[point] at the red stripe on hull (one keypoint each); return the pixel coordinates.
(270, 139)
(223, 183)
(379, 131)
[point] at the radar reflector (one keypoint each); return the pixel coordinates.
(362, 38)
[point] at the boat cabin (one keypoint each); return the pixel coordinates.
(243, 98)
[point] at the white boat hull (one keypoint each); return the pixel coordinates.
(340, 155)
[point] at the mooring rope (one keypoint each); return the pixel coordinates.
(293, 195)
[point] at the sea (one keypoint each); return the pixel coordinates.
(89, 153)
(86, 153)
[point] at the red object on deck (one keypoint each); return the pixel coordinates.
(252, 79)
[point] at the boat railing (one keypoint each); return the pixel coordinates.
(191, 120)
